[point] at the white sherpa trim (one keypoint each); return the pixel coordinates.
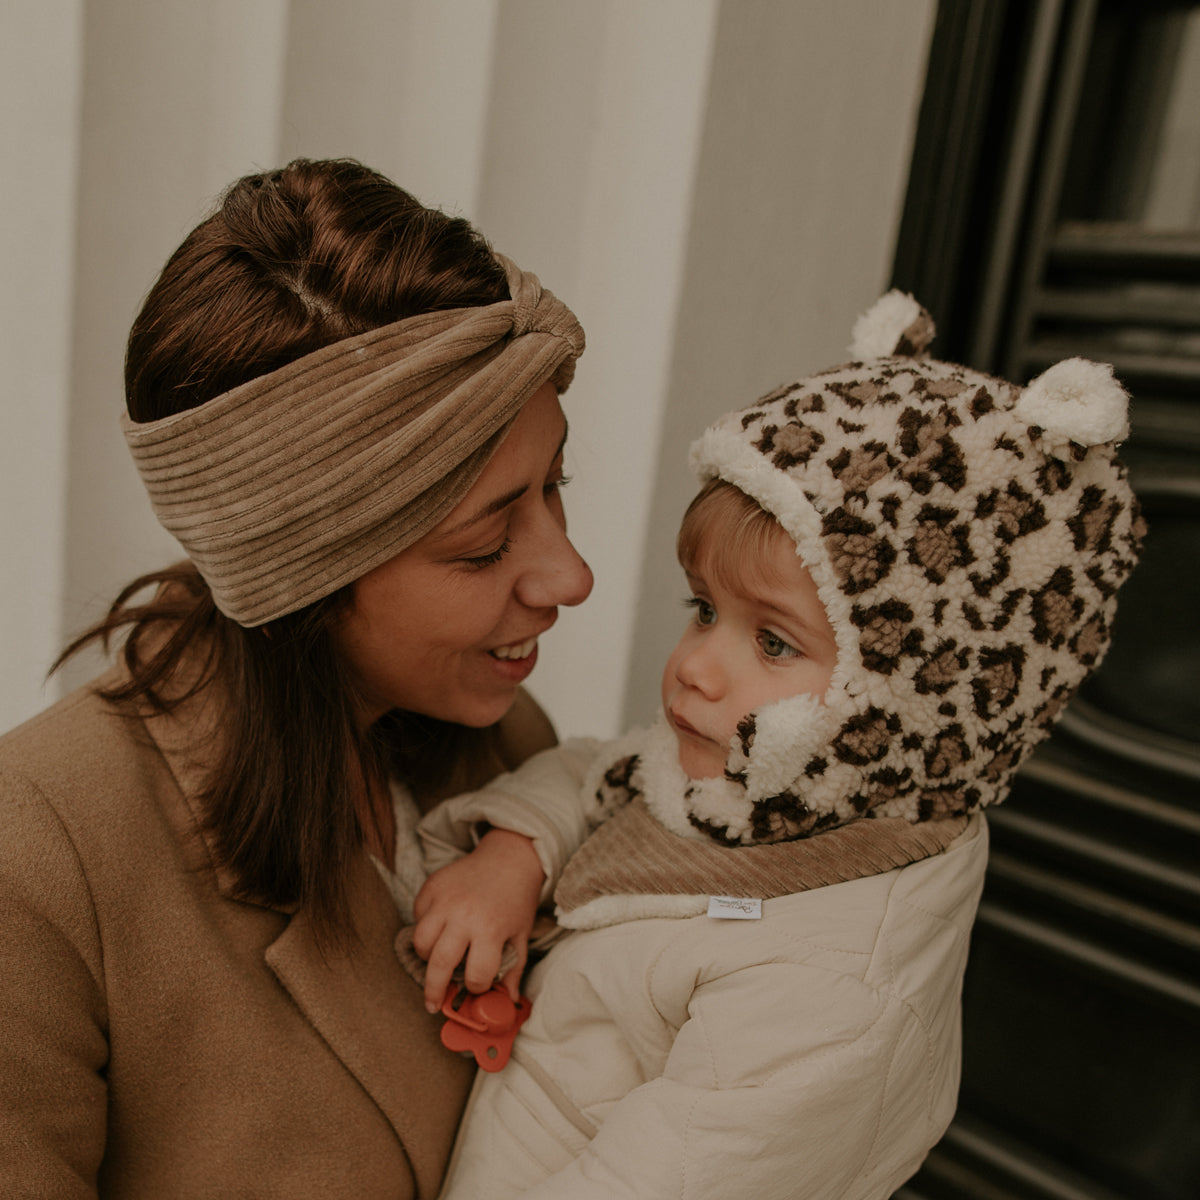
(719, 452)
(632, 741)
(1077, 399)
(722, 803)
(613, 910)
(788, 732)
(663, 781)
(878, 331)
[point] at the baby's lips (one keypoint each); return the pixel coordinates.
(483, 1025)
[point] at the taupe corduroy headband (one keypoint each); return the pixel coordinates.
(296, 483)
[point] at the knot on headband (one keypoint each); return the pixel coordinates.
(526, 298)
(296, 483)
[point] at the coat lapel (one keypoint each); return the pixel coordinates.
(365, 1007)
(372, 1016)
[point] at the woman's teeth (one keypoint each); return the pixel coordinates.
(520, 650)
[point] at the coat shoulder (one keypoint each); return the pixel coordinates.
(94, 771)
(82, 730)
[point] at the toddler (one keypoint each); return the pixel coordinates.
(900, 571)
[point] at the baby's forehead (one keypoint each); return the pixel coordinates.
(763, 565)
(731, 530)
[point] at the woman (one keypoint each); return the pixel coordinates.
(345, 407)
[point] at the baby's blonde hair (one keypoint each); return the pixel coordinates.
(730, 533)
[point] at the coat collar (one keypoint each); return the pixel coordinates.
(365, 1008)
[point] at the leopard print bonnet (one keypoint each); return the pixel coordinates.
(967, 538)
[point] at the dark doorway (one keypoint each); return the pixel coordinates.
(1054, 210)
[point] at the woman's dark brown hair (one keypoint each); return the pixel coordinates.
(292, 260)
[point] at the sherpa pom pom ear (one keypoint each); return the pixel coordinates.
(894, 324)
(1078, 400)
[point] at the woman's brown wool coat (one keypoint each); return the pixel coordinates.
(159, 1037)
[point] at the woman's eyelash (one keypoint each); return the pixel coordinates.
(489, 560)
(480, 561)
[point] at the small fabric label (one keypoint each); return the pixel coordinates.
(734, 908)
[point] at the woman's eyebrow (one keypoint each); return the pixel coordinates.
(498, 503)
(493, 506)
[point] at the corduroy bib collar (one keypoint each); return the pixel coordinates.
(632, 867)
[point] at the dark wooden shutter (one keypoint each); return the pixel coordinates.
(1054, 210)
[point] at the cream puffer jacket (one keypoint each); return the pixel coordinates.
(809, 1054)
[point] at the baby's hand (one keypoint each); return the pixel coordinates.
(473, 907)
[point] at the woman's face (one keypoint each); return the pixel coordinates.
(449, 627)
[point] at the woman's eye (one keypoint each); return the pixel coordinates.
(773, 646)
(556, 485)
(705, 613)
(489, 560)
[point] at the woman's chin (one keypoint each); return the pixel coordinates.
(485, 711)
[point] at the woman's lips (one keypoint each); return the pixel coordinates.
(515, 661)
(517, 650)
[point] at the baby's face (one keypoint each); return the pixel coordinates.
(763, 638)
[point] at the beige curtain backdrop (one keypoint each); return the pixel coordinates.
(713, 185)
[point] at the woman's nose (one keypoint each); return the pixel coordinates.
(558, 574)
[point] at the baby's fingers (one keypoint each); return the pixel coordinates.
(512, 977)
(483, 964)
(426, 933)
(443, 958)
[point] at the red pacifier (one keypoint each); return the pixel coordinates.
(482, 1024)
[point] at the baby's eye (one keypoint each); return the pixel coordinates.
(705, 613)
(773, 646)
